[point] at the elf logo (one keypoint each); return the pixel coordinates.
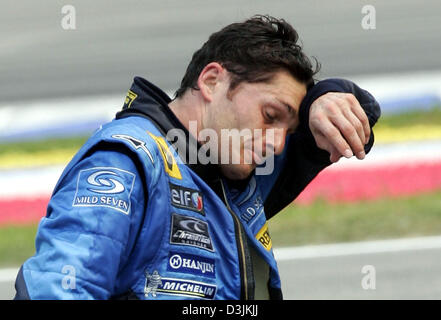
(187, 198)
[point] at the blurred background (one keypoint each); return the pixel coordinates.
(65, 67)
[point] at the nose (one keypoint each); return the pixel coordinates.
(279, 138)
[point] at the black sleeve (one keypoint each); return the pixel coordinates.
(304, 159)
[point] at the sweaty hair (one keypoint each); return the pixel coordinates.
(252, 51)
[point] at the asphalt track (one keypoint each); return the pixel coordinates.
(115, 40)
(404, 275)
(397, 269)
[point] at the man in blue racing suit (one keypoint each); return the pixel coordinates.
(159, 205)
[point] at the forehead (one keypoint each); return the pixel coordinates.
(282, 87)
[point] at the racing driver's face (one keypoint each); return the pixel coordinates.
(253, 120)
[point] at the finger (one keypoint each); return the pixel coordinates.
(361, 115)
(356, 123)
(350, 135)
(334, 138)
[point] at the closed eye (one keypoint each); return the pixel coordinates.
(270, 114)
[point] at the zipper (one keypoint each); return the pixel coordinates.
(240, 247)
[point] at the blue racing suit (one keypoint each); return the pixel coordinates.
(131, 217)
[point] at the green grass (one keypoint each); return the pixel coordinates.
(42, 145)
(318, 223)
(16, 244)
(387, 218)
(429, 117)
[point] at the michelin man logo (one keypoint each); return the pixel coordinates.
(152, 282)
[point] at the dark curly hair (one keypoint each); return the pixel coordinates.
(252, 51)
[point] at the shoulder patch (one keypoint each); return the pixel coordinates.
(135, 143)
(170, 164)
(104, 187)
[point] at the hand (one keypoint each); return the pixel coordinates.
(339, 125)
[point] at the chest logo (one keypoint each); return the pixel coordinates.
(191, 264)
(152, 281)
(155, 284)
(189, 231)
(264, 238)
(187, 198)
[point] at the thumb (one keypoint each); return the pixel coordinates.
(335, 155)
(324, 144)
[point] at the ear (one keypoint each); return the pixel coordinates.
(209, 79)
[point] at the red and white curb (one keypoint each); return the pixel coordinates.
(387, 171)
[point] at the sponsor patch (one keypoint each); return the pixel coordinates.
(192, 264)
(104, 187)
(152, 281)
(130, 97)
(186, 198)
(190, 231)
(249, 214)
(254, 214)
(136, 143)
(155, 284)
(264, 238)
(170, 164)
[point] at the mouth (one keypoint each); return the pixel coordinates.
(257, 159)
(254, 157)
(257, 151)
